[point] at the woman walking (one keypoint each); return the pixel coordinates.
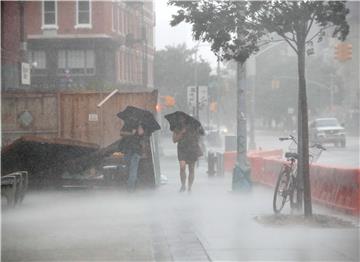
(188, 150)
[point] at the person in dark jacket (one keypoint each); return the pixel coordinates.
(132, 149)
(188, 150)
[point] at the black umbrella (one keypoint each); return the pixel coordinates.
(132, 116)
(175, 120)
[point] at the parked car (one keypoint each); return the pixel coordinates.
(327, 130)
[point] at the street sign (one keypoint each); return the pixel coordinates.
(203, 96)
(191, 95)
(25, 73)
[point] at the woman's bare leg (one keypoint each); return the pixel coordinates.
(191, 175)
(182, 175)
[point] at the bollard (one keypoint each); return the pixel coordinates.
(219, 164)
(211, 164)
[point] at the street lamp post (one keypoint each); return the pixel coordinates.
(251, 76)
(196, 84)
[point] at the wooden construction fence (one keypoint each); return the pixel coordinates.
(69, 115)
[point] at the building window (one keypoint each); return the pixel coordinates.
(49, 17)
(119, 21)
(76, 62)
(83, 14)
(37, 60)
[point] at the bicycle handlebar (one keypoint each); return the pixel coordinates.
(290, 137)
(319, 146)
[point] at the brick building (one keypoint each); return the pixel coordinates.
(89, 44)
(10, 44)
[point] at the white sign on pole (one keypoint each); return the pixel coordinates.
(191, 95)
(25, 74)
(203, 95)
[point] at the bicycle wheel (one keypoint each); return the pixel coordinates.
(281, 191)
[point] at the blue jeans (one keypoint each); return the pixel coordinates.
(132, 162)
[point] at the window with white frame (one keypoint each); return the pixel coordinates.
(49, 14)
(77, 62)
(83, 13)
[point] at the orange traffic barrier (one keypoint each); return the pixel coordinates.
(335, 187)
(230, 157)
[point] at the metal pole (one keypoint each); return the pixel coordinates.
(196, 84)
(331, 92)
(252, 144)
(217, 92)
(197, 102)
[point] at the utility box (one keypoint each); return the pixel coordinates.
(230, 143)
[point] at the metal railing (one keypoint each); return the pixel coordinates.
(14, 187)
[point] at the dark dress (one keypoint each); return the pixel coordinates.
(188, 147)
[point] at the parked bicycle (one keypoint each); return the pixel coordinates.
(287, 187)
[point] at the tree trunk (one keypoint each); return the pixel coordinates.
(303, 131)
(242, 170)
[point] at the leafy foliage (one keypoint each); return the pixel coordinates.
(236, 29)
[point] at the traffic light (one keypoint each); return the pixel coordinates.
(275, 84)
(169, 101)
(343, 52)
(213, 106)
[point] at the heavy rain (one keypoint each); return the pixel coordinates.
(180, 130)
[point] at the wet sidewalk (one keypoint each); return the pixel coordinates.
(209, 224)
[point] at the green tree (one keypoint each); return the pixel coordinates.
(236, 29)
(174, 69)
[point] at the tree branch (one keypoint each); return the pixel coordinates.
(310, 25)
(289, 42)
(321, 30)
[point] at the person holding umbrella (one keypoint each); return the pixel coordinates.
(186, 133)
(138, 126)
(131, 146)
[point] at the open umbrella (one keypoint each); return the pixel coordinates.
(132, 116)
(175, 121)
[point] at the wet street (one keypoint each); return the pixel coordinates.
(210, 224)
(335, 156)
